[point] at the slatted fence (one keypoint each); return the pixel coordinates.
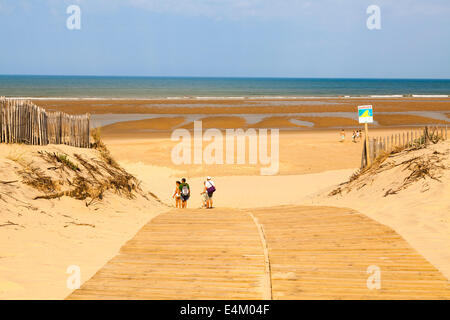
(21, 121)
(406, 139)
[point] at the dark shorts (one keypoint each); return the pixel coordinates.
(185, 198)
(210, 194)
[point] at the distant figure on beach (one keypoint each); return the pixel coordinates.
(177, 195)
(342, 135)
(208, 192)
(185, 192)
(354, 136)
(358, 134)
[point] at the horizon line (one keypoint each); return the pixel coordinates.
(221, 77)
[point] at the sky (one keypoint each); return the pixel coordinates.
(227, 38)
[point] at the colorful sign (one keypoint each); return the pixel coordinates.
(365, 114)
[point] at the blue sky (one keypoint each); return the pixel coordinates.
(231, 38)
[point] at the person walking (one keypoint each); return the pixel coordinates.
(185, 192)
(358, 135)
(210, 187)
(177, 195)
(342, 135)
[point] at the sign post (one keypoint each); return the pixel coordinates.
(365, 115)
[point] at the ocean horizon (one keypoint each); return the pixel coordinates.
(138, 87)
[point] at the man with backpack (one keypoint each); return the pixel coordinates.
(185, 192)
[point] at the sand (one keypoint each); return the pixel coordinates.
(388, 120)
(213, 106)
(326, 122)
(278, 122)
(219, 122)
(299, 152)
(143, 125)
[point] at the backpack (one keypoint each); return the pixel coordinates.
(185, 190)
(211, 189)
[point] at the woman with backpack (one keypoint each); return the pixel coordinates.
(210, 188)
(185, 192)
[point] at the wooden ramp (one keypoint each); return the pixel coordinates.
(185, 254)
(279, 253)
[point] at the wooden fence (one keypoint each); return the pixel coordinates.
(422, 136)
(22, 121)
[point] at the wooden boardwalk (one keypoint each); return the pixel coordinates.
(191, 254)
(279, 253)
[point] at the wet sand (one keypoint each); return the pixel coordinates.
(290, 114)
(201, 106)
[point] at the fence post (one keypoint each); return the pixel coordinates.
(375, 147)
(364, 156)
(372, 149)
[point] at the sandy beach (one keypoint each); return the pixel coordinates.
(209, 105)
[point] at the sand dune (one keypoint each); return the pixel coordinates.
(40, 239)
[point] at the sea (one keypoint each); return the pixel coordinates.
(120, 87)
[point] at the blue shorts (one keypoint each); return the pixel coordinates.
(185, 198)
